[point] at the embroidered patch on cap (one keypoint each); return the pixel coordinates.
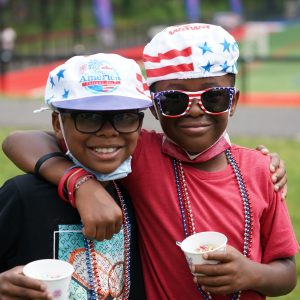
(97, 82)
(99, 77)
(190, 51)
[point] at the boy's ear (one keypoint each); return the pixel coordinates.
(56, 125)
(234, 103)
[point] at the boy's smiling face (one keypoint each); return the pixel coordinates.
(103, 151)
(196, 131)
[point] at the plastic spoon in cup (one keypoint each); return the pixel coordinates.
(178, 244)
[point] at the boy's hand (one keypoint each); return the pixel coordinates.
(225, 277)
(15, 285)
(101, 216)
(277, 167)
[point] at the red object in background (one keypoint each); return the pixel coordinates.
(31, 81)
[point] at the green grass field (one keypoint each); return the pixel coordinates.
(289, 151)
(275, 75)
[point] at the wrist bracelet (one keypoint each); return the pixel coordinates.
(71, 185)
(70, 182)
(82, 180)
(62, 183)
(43, 159)
(75, 185)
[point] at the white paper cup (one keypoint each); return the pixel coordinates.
(192, 244)
(56, 274)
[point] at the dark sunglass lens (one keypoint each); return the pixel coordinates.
(127, 122)
(88, 122)
(216, 100)
(173, 103)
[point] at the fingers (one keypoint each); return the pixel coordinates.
(118, 225)
(275, 162)
(89, 232)
(215, 285)
(284, 192)
(218, 290)
(277, 166)
(15, 292)
(280, 174)
(263, 149)
(220, 268)
(15, 285)
(99, 231)
(275, 159)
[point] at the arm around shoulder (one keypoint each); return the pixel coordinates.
(24, 148)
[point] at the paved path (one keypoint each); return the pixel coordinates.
(248, 121)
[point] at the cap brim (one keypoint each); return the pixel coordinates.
(99, 103)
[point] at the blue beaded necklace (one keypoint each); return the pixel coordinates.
(91, 263)
(187, 215)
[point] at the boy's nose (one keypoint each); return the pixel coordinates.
(195, 109)
(107, 130)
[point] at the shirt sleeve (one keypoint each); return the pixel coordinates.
(10, 220)
(278, 238)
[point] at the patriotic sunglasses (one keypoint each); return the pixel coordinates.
(213, 101)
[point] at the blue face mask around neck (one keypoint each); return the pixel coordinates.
(122, 171)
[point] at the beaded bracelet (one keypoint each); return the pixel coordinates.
(76, 180)
(82, 181)
(73, 188)
(43, 159)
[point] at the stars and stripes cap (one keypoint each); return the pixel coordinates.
(188, 51)
(97, 82)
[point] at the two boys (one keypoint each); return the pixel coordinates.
(191, 178)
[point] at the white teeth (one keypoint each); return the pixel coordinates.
(105, 150)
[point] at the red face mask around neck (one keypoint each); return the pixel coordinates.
(171, 149)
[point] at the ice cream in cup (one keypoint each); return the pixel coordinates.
(56, 274)
(197, 244)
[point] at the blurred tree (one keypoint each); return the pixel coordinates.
(77, 34)
(45, 22)
(126, 6)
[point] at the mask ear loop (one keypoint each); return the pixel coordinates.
(63, 132)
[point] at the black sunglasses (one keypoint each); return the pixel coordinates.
(122, 122)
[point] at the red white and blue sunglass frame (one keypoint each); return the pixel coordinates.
(192, 96)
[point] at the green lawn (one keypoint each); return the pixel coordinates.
(289, 151)
(275, 75)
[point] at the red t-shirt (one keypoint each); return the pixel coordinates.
(217, 206)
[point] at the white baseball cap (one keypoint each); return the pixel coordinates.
(97, 82)
(188, 51)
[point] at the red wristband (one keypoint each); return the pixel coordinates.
(72, 183)
(63, 180)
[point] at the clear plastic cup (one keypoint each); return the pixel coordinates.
(56, 274)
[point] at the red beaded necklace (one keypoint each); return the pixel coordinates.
(91, 260)
(187, 214)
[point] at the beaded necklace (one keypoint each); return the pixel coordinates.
(93, 275)
(187, 214)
